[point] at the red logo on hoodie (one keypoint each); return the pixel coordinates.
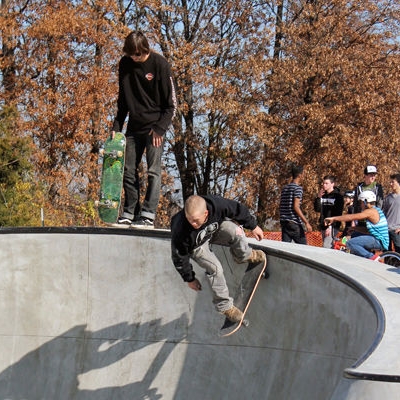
(149, 76)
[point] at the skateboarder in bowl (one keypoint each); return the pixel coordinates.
(207, 220)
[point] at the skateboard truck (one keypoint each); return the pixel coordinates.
(112, 153)
(106, 204)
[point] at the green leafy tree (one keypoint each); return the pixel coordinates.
(17, 191)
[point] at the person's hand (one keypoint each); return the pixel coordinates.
(157, 139)
(195, 285)
(112, 135)
(328, 221)
(308, 227)
(258, 233)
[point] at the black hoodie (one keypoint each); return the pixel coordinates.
(185, 238)
(329, 205)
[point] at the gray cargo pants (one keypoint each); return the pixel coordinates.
(231, 235)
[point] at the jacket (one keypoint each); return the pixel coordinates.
(185, 238)
(329, 205)
(147, 94)
(376, 188)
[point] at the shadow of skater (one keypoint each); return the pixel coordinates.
(53, 370)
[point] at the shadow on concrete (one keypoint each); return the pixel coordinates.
(79, 351)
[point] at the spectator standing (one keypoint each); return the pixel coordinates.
(348, 208)
(369, 183)
(329, 203)
(291, 215)
(391, 208)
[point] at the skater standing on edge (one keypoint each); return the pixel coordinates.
(147, 94)
(207, 220)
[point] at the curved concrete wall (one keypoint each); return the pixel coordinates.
(102, 314)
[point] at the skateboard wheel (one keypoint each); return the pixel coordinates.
(96, 203)
(114, 204)
(101, 152)
(120, 153)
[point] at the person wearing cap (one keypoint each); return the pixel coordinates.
(374, 236)
(348, 208)
(391, 208)
(369, 183)
(329, 203)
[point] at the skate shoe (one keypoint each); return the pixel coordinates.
(233, 314)
(256, 256)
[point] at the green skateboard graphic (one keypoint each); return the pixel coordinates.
(111, 178)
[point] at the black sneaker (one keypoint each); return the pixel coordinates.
(143, 223)
(124, 221)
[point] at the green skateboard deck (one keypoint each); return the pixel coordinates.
(111, 178)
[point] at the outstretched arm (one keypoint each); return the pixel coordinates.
(369, 213)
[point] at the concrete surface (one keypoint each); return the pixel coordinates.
(102, 314)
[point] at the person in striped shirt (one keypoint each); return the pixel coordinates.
(375, 235)
(291, 215)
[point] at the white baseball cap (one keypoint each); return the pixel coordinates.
(370, 169)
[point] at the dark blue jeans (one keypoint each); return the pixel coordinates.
(361, 245)
(395, 239)
(292, 231)
(135, 148)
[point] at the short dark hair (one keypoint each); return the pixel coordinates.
(296, 171)
(396, 177)
(330, 178)
(135, 43)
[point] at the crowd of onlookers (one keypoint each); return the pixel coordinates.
(366, 221)
(369, 221)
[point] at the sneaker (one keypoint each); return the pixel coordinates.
(375, 257)
(124, 221)
(256, 256)
(233, 314)
(143, 223)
